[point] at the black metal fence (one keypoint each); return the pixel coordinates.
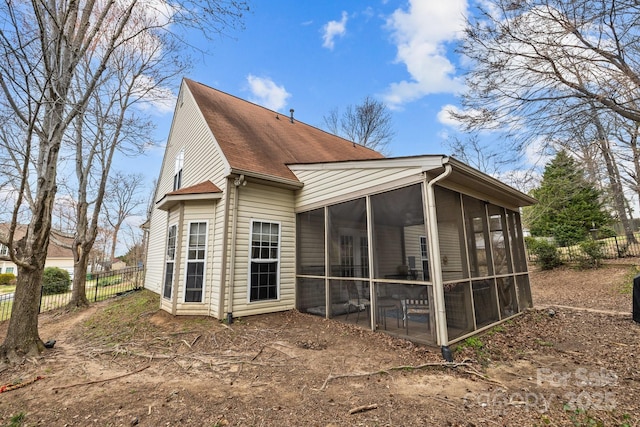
(612, 248)
(98, 287)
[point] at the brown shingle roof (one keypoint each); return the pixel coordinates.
(256, 139)
(59, 243)
(201, 188)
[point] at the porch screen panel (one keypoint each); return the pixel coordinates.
(517, 241)
(170, 262)
(499, 240)
(347, 250)
(399, 226)
(479, 248)
(485, 301)
(197, 243)
(457, 302)
(453, 255)
(265, 261)
(507, 296)
(311, 232)
(524, 292)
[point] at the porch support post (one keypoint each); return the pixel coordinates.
(373, 301)
(433, 242)
(327, 264)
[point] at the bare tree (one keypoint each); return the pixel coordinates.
(43, 46)
(551, 70)
(123, 201)
(368, 123)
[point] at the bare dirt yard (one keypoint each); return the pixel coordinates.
(573, 360)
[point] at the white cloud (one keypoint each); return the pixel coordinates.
(266, 93)
(420, 35)
(153, 97)
(333, 29)
(444, 116)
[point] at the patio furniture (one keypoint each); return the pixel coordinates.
(419, 309)
(355, 300)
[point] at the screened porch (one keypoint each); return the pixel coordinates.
(372, 261)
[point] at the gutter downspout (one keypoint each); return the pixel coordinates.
(223, 262)
(234, 232)
(434, 250)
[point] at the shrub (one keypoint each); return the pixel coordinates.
(605, 232)
(547, 256)
(55, 281)
(594, 251)
(110, 280)
(7, 279)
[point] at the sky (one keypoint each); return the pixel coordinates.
(315, 56)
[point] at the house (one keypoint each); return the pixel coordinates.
(59, 252)
(257, 212)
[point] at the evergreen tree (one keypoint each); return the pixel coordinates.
(568, 205)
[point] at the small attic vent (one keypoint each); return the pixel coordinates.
(291, 111)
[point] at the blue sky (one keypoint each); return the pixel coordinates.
(316, 56)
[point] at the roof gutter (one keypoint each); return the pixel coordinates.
(291, 184)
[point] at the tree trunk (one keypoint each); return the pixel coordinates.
(614, 180)
(80, 264)
(22, 336)
(114, 241)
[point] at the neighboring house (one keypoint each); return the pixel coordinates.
(257, 212)
(59, 252)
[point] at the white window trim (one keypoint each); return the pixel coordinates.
(4, 250)
(279, 261)
(186, 261)
(166, 260)
(178, 167)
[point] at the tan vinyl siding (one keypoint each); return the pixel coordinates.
(323, 184)
(268, 204)
(197, 212)
(202, 161)
(154, 266)
(388, 236)
(450, 251)
(412, 236)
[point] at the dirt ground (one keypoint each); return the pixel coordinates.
(125, 363)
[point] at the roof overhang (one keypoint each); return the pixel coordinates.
(200, 192)
(170, 200)
(272, 180)
(495, 190)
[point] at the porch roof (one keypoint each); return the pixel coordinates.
(206, 190)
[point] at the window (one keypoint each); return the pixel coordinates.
(265, 260)
(177, 174)
(170, 262)
(9, 270)
(195, 261)
(4, 251)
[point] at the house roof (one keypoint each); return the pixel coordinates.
(201, 188)
(206, 190)
(59, 243)
(258, 140)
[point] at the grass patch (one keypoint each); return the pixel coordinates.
(7, 289)
(118, 322)
(17, 420)
(626, 287)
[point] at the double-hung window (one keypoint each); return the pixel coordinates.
(170, 262)
(265, 261)
(197, 245)
(177, 173)
(4, 251)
